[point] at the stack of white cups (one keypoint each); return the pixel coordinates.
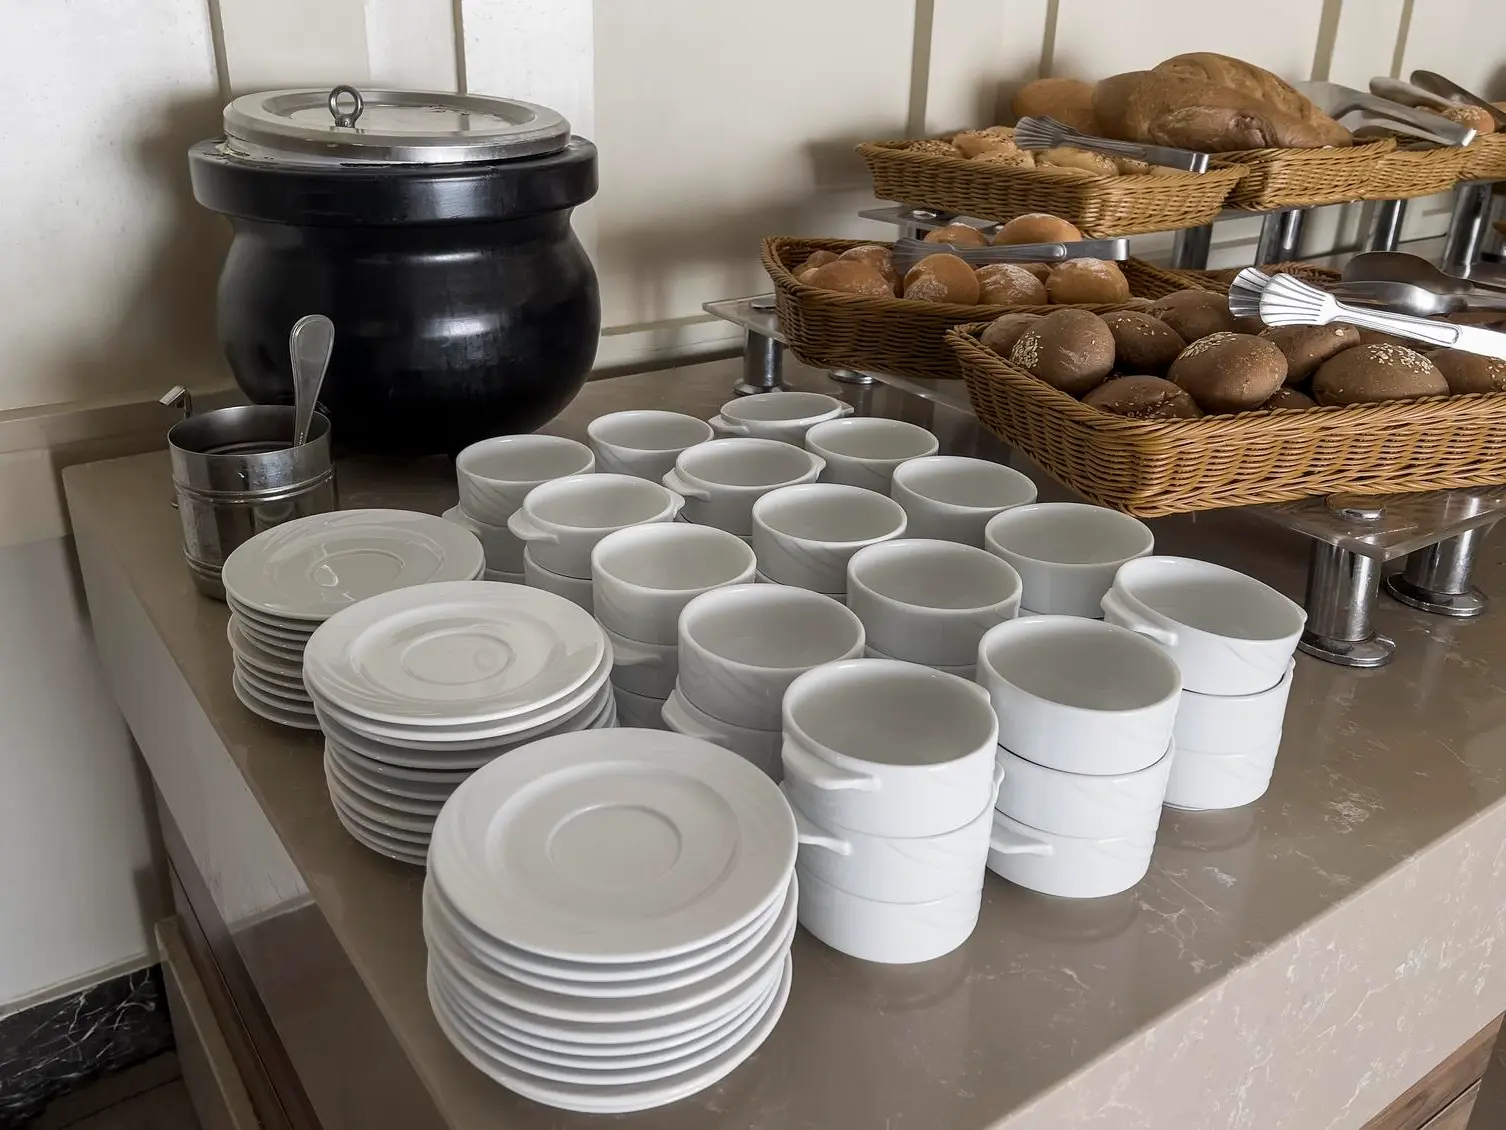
(805, 535)
(889, 768)
(641, 579)
(930, 602)
(561, 522)
(865, 451)
(494, 476)
(721, 479)
(1066, 553)
(740, 648)
(1086, 712)
(1233, 638)
(785, 416)
(952, 497)
(643, 443)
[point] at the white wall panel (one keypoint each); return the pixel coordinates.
(1464, 39)
(411, 43)
(1365, 41)
(980, 51)
(276, 43)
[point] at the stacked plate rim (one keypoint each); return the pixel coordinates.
(609, 918)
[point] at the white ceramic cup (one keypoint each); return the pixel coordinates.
(892, 933)
(1209, 723)
(503, 549)
(1073, 867)
(1082, 804)
(644, 576)
(1079, 695)
(952, 497)
(743, 645)
(784, 416)
(761, 747)
(913, 869)
(863, 451)
(505, 578)
(639, 711)
(1229, 633)
(722, 479)
(643, 442)
(647, 669)
(571, 588)
(563, 520)
(966, 671)
(1066, 553)
(805, 535)
(1209, 781)
(930, 601)
(888, 748)
(495, 475)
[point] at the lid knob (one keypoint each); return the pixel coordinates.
(342, 119)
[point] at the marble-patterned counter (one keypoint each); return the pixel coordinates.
(1297, 963)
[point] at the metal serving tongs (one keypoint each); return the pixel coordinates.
(1288, 301)
(1336, 101)
(1048, 133)
(1398, 266)
(908, 252)
(1438, 84)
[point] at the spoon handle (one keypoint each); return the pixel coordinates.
(310, 344)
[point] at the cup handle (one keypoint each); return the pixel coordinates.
(1006, 842)
(676, 504)
(678, 719)
(820, 463)
(525, 528)
(822, 775)
(674, 482)
(721, 424)
(845, 410)
(998, 781)
(626, 654)
(1113, 606)
(813, 836)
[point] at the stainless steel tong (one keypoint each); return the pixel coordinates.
(1048, 133)
(908, 252)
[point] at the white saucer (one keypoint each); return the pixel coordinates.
(279, 677)
(420, 783)
(285, 659)
(352, 789)
(278, 694)
(258, 705)
(312, 567)
(393, 849)
(614, 846)
(270, 635)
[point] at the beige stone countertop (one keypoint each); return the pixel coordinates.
(1293, 964)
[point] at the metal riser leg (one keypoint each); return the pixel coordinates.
(1385, 227)
(763, 366)
(1341, 591)
(1280, 237)
(1436, 579)
(1466, 227)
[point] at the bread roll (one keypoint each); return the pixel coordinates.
(1005, 330)
(1477, 118)
(1065, 157)
(1005, 284)
(1229, 372)
(1068, 349)
(1143, 343)
(1037, 227)
(877, 256)
(1041, 271)
(957, 235)
(1376, 337)
(1194, 313)
(1092, 281)
(1307, 347)
(1469, 372)
(973, 142)
(818, 259)
(850, 276)
(1143, 398)
(1068, 100)
(942, 278)
(934, 145)
(1290, 398)
(1370, 373)
(1009, 158)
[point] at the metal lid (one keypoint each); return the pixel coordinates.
(390, 127)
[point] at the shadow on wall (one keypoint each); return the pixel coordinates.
(163, 330)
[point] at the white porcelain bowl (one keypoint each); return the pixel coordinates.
(639, 711)
(863, 451)
(1207, 781)
(743, 645)
(952, 497)
(893, 933)
(887, 748)
(1080, 804)
(930, 601)
(1209, 723)
(562, 521)
(643, 442)
(1229, 633)
(647, 669)
(966, 671)
(1079, 695)
(503, 549)
(721, 480)
(1074, 867)
(1066, 553)
(571, 588)
(495, 475)
(805, 535)
(643, 577)
(783, 416)
(761, 747)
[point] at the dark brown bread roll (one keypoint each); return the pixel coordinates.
(942, 278)
(1469, 372)
(1370, 373)
(1307, 347)
(850, 276)
(1087, 281)
(1069, 349)
(1290, 398)
(1005, 330)
(1143, 343)
(1229, 372)
(1005, 284)
(1194, 313)
(1143, 398)
(1375, 337)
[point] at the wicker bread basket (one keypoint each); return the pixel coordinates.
(1485, 158)
(1301, 178)
(1405, 173)
(829, 330)
(907, 173)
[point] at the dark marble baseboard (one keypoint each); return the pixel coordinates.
(50, 1049)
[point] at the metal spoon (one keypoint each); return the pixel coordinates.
(310, 343)
(1406, 298)
(1397, 266)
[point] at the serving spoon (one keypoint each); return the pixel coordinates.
(310, 344)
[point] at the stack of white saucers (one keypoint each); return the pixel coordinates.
(609, 918)
(416, 689)
(284, 582)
